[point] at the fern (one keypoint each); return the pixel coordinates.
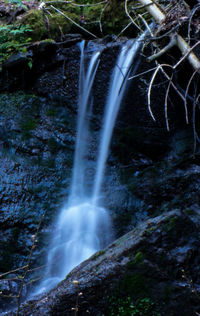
(13, 38)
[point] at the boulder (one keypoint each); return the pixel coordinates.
(154, 269)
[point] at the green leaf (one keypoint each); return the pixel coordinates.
(30, 64)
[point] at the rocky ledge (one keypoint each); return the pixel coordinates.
(152, 270)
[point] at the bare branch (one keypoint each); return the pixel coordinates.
(171, 44)
(12, 271)
(159, 16)
(156, 13)
(187, 51)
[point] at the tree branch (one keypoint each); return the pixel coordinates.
(186, 50)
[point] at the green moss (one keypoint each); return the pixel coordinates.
(115, 19)
(167, 293)
(134, 284)
(136, 261)
(169, 225)
(128, 307)
(35, 19)
(50, 26)
(59, 25)
(13, 39)
(53, 145)
(190, 211)
(19, 102)
(139, 258)
(28, 125)
(51, 112)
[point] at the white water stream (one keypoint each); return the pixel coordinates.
(84, 226)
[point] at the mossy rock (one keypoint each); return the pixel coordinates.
(35, 18)
(56, 24)
(48, 26)
(59, 25)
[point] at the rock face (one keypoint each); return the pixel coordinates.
(151, 172)
(157, 262)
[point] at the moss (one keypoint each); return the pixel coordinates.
(13, 39)
(35, 18)
(136, 261)
(190, 211)
(28, 125)
(51, 112)
(126, 306)
(53, 145)
(50, 26)
(134, 284)
(59, 25)
(167, 293)
(169, 225)
(115, 18)
(139, 258)
(56, 25)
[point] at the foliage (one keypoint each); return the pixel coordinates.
(17, 3)
(127, 307)
(13, 38)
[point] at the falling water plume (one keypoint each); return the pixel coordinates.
(84, 225)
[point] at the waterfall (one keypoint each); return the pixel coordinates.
(84, 225)
(116, 91)
(85, 86)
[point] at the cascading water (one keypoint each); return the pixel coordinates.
(83, 225)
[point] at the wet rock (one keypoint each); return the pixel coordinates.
(145, 263)
(151, 172)
(16, 61)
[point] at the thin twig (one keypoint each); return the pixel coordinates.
(150, 87)
(101, 15)
(146, 24)
(194, 125)
(142, 73)
(12, 271)
(172, 30)
(76, 4)
(124, 29)
(140, 7)
(166, 103)
(72, 21)
(127, 13)
(28, 264)
(190, 21)
(187, 89)
(194, 119)
(172, 84)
